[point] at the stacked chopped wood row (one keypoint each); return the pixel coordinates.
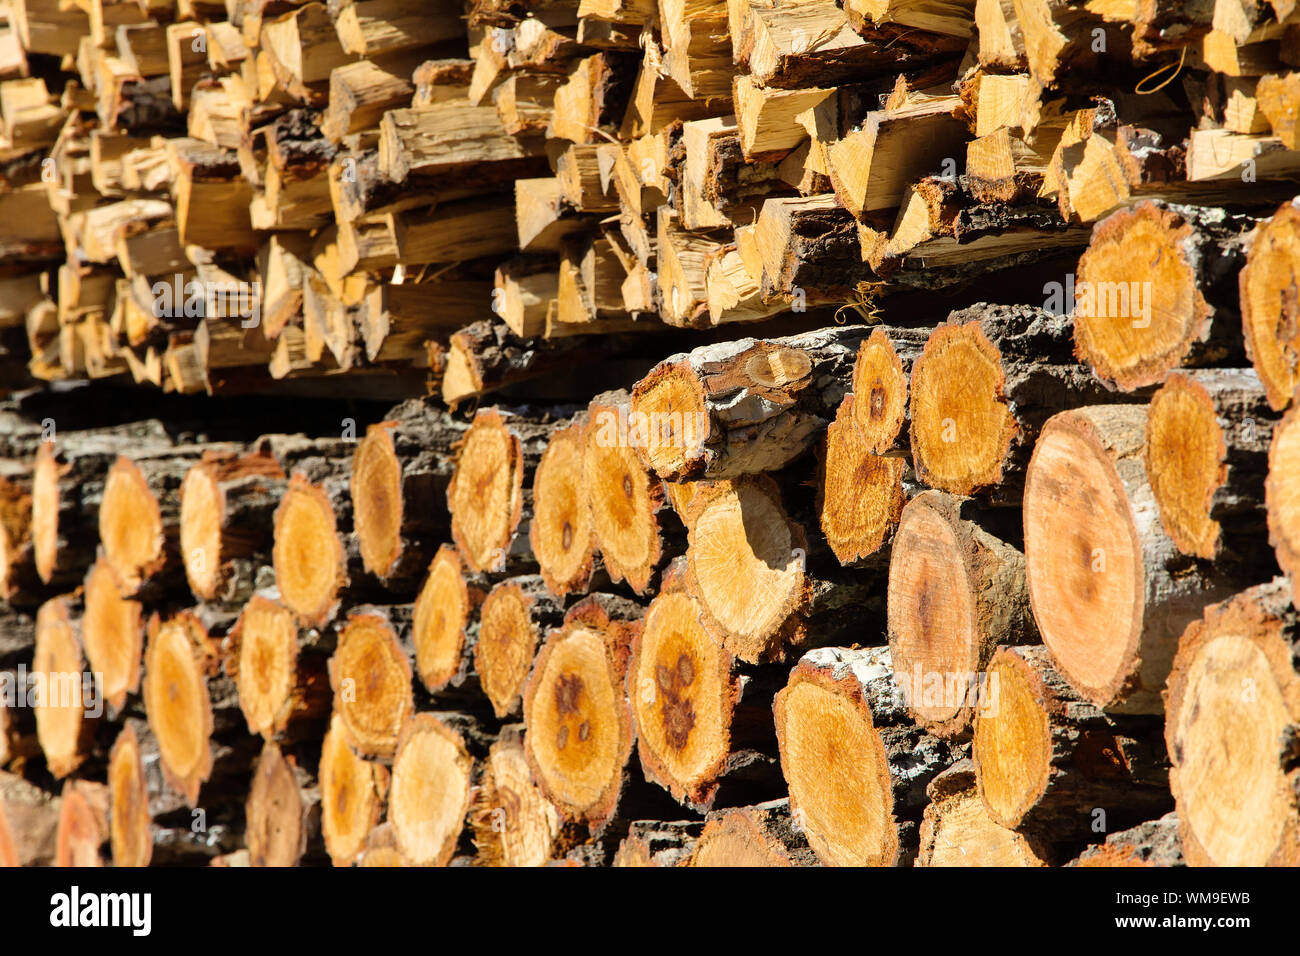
(976, 546)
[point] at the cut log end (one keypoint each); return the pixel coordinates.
(860, 496)
(202, 507)
(177, 702)
(266, 635)
(682, 693)
(431, 791)
(371, 677)
(743, 838)
(961, 425)
(507, 641)
(1282, 493)
(441, 615)
(837, 768)
(352, 796)
(1185, 464)
(61, 711)
(274, 829)
(671, 401)
(130, 827)
(83, 824)
(879, 409)
(623, 499)
(1083, 557)
(514, 824)
(1232, 702)
(933, 633)
(45, 512)
(131, 526)
(112, 629)
(485, 496)
(377, 500)
(308, 556)
(956, 829)
(560, 532)
(745, 566)
(1138, 308)
(579, 723)
(1013, 740)
(1270, 308)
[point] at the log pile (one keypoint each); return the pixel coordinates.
(975, 545)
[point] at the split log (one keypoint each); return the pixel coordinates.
(957, 830)
(810, 251)
(486, 498)
(226, 503)
(1135, 322)
(67, 702)
(857, 770)
(1050, 763)
(1269, 309)
(764, 835)
(279, 670)
(400, 475)
(512, 619)
(741, 407)
(112, 632)
(1110, 592)
(283, 813)
(955, 593)
(623, 498)
(560, 533)
(1206, 457)
(1232, 705)
(431, 787)
(193, 712)
(513, 823)
(580, 728)
(1154, 843)
(352, 795)
(371, 677)
(440, 622)
(704, 731)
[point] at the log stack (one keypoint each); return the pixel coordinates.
(615, 432)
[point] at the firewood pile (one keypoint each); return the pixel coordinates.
(789, 433)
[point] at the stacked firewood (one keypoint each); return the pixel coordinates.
(974, 547)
